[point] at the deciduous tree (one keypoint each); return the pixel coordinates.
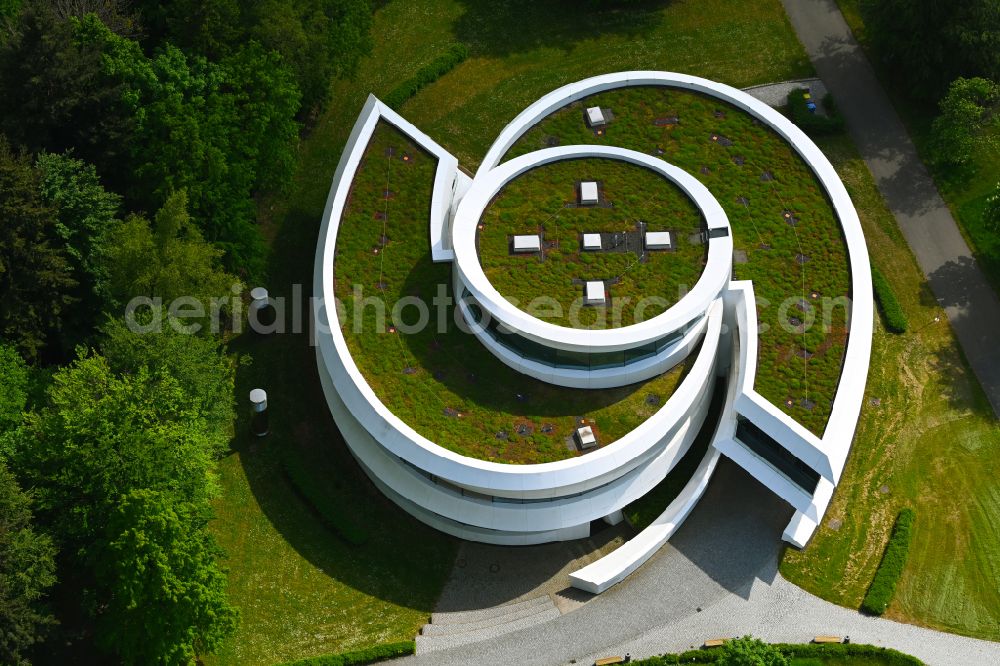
(122, 467)
(27, 571)
(929, 43)
(166, 260)
(36, 277)
(167, 596)
(967, 111)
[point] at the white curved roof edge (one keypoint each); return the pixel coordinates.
(405, 442)
(479, 514)
(446, 176)
(614, 567)
(693, 304)
(839, 432)
(486, 185)
(617, 565)
(596, 379)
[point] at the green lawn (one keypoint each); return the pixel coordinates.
(301, 591)
(799, 270)
(927, 439)
(964, 191)
(543, 201)
(440, 380)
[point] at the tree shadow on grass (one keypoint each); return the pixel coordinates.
(500, 29)
(403, 561)
(974, 312)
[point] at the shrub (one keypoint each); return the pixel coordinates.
(814, 123)
(895, 318)
(891, 568)
(316, 496)
(367, 655)
(844, 651)
(426, 75)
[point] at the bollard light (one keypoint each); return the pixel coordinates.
(261, 313)
(258, 420)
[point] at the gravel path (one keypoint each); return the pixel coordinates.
(954, 276)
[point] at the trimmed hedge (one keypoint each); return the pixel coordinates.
(842, 651)
(895, 318)
(313, 493)
(426, 75)
(368, 655)
(814, 123)
(886, 656)
(883, 585)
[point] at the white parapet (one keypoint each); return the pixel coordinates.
(528, 243)
(617, 565)
(484, 500)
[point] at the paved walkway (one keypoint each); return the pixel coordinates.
(781, 612)
(716, 576)
(776, 94)
(927, 224)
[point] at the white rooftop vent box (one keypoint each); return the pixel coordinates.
(658, 240)
(592, 241)
(594, 293)
(588, 193)
(594, 117)
(585, 437)
(527, 243)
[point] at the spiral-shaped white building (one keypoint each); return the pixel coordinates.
(473, 430)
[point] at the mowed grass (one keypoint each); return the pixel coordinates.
(927, 439)
(782, 223)
(437, 378)
(543, 201)
(300, 590)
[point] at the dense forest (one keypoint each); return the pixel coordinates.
(136, 136)
(946, 53)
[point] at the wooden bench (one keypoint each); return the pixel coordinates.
(828, 639)
(607, 661)
(714, 642)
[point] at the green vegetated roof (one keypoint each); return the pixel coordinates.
(444, 383)
(550, 284)
(786, 235)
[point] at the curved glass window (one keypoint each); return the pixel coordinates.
(562, 358)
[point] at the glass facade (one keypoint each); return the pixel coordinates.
(561, 358)
(777, 456)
